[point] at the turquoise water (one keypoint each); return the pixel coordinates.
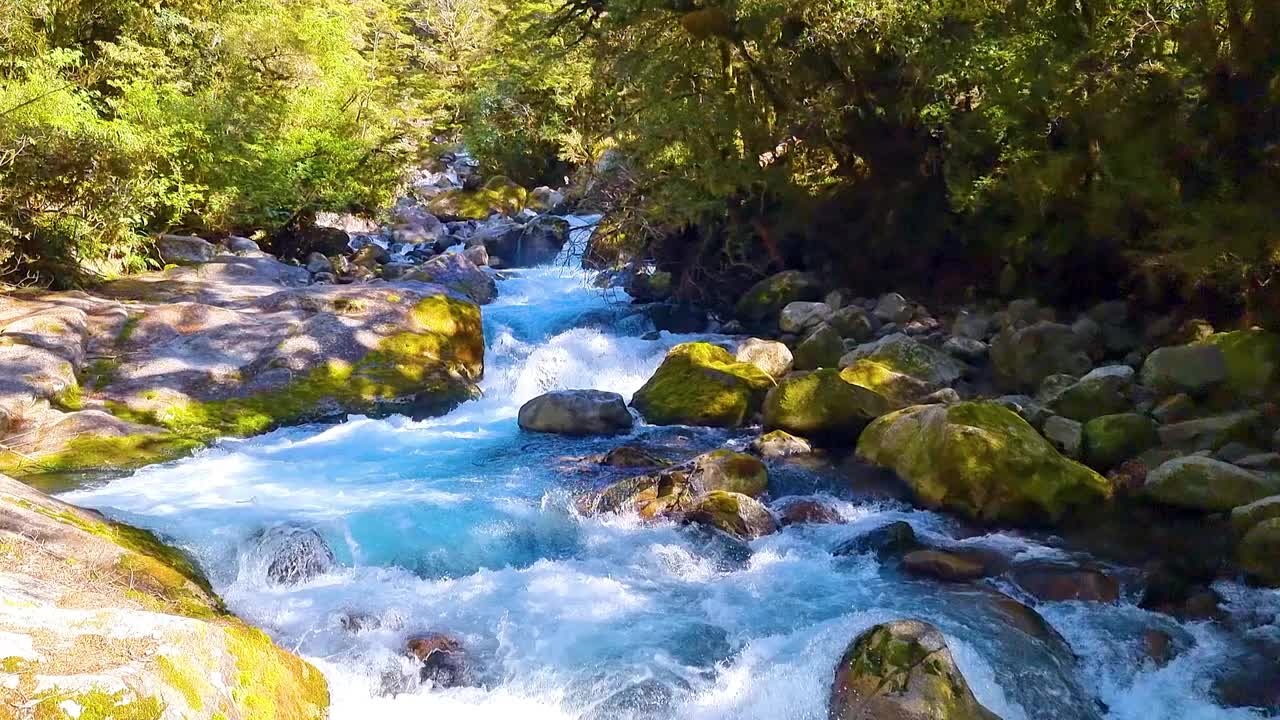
(464, 524)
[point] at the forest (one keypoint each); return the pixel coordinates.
(1073, 150)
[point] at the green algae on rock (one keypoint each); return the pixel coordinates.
(702, 384)
(733, 513)
(673, 489)
(902, 670)
(822, 404)
(760, 306)
(898, 389)
(1112, 439)
(982, 460)
(172, 649)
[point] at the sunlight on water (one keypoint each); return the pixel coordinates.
(463, 524)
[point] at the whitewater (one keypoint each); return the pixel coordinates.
(465, 525)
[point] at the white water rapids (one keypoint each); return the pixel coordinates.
(463, 524)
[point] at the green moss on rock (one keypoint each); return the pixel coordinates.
(762, 303)
(96, 704)
(1206, 484)
(822, 404)
(898, 389)
(1253, 360)
(499, 195)
(982, 460)
(1112, 439)
(96, 453)
(702, 384)
(1259, 552)
(271, 683)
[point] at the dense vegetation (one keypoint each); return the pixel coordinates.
(1072, 149)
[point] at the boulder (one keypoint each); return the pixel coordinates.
(544, 199)
(770, 356)
(966, 349)
(732, 513)
(1252, 359)
(981, 460)
(538, 243)
(631, 456)
(676, 317)
(371, 257)
(185, 250)
(1103, 391)
(1191, 369)
(498, 195)
(477, 254)
(1066, 435)
(905, 355)
(317, 263)
(443, 659)
(702, 384)
(902, 670)
(892, 539)
(1200, 483)
(822, 348)
(1174, 409)
(1023, 357)
(780, 443)
(852, 322)
(576, 412)
(673, 489)
(943, 565)
(1111, 439)
(729, 471)
(289, 555)
(972, 325)
(821, 404)
(801, 317)
(1243, 518)
(893, 308)
(898, 390)
(761, 304)
(1259, 552)
(1214, 432)
(413, 225)
(456, 272)
(645, 287)
(806, 511)
(241, 245)
(1058, 583)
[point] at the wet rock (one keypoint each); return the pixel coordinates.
(1252, 679)
(1181, 591)
(702, 384)
(477, 254)
(981, 460)
(290, 555)
(893, 308)
(1259, 552)
(730, 471)
(943, 565)
(760, 306)
(456, 272)
(1245, 517)
(1053, 583)
(674, 489)
(370, 257)
(780, 443)
(1191, 369)
(396, 270)
(892, 539)
(1174, 409)
(733, 513)
(966, 349)
(1112, 439)
(538, 243)
(1157, 645)
(631, 456)
(822, 348)
(1066, 435)
(803, 317)
(770, 356)
(444, 661)
(676, 317)
(726, 552)
(576, 412)
(805, 511)
(185, 249)
(649, 699)
(412, 224)
(1023, 357)
(820, 404)
(1201, 483)
(902, 670)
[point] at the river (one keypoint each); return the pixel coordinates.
(464, 524)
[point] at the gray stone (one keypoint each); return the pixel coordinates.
(893, 308)
(1193, 369)
(1066, 435)
(1023, 357)
(241, 245)
(821, 349)
(317, 263)
(852, 322)
(972, 325)
(770, 356)
(1212, 433)
(906, 355)
(1201, 483)
(802, 317)
(185, 250)
(456, 272)
(477, 254)
(966, 349)
(576, 412)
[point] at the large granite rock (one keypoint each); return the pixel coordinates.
(821, 404)
(702, 384)
(1202, 483)
(185, 249)
(902, 670)
(902, 354)
(576, 412)
(980, 459)
(458, 273)
(103, 620)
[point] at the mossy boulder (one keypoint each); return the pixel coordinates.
(671, 490)
(760, 306)
(730, 471)
(902, 354)
(821, 404)
(982, 460)
(780, 443)
(1245, 517)
(1112, 439)
(498, 195)
(1202, 483)
(821, 348)
(1215, 431)
(1259, 552)
(899, 390)
(1252, 360)
(702, 384)
(902, 670)
(1191, 369)
(172, 649)
(733, 513)
(1104, 391)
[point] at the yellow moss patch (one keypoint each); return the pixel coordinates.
(272, 684)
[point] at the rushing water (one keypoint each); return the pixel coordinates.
(464, 524)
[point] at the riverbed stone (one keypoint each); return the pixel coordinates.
(456, 272)
(898, 389)
(576, 412)
(944, 565)
(290, 554)
(771, 356)
(806, 511)
(779, 443)
(185, 249)
(801, 317)
(821, 404)
(760, 306)
(1023, 357)
(1067, 435)
(893, 308)
(902, 670)
(702, 384)
(732, 513)
(1058, 583)
(1214, 432)
(1244, 517)
(1111, 439)
(1259, 551)
(852, 322)
(980, 459)
(1191, 369)
(822, 348)
(966, 349)
(1103, 391)
(443, 659)
(1252, 359)
(1201, 483)
(906, 355)
(672, 489)
(889, 540)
